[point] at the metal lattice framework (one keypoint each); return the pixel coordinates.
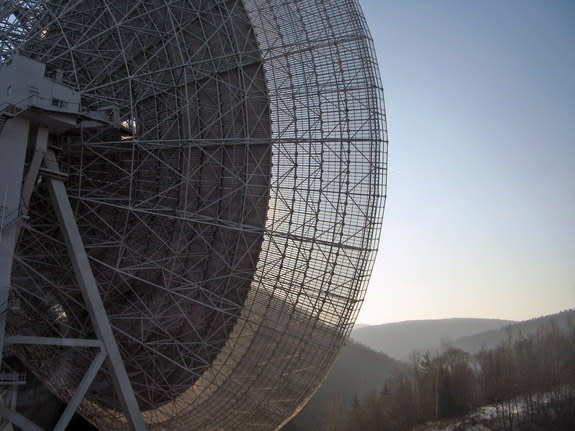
(230, 215)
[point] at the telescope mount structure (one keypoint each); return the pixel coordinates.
(191, 199)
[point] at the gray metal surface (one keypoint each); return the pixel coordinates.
(81, 391)
(93, 301)
(69, 342)
(230, 213)
(13, 142)
(18, 420)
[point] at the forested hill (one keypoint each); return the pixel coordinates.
(526, 383)
(357, 371)
(563, 321)
(399, 339)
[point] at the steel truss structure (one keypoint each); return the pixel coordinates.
(224, 171)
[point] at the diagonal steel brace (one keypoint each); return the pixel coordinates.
(90, 293)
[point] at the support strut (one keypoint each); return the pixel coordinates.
(106, 340)
(90, 293)
(13, 144)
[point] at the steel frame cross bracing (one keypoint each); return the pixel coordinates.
(95, 306)
(16, 134)
(226, 174)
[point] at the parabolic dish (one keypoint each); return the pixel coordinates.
(231, 217)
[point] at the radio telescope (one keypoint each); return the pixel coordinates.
(192, 194)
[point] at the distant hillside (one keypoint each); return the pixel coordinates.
(358, 370)
(490, 339)
(399, 339)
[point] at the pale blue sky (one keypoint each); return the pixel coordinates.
(480, 217)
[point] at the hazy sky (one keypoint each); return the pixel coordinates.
(480, 217)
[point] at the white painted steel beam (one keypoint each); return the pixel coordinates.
(81, 391)
(13, 143)
(52, 341)
(17, 419)
(91, 295)
(40, 146)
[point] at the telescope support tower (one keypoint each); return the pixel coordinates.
(14, 140)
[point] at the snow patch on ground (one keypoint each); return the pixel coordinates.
(483, 417)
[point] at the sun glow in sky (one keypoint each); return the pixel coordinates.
(480, 217)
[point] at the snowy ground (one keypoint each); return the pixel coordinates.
(488, 418)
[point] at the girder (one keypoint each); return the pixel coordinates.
(226, 180)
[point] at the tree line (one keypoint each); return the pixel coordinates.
(529, 381)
